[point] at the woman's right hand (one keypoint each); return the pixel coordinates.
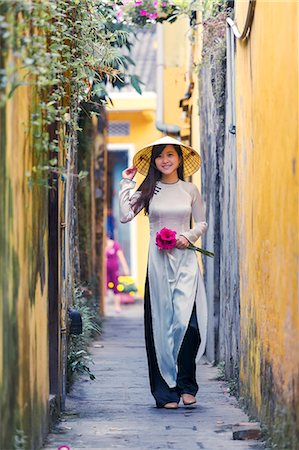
(129, 173)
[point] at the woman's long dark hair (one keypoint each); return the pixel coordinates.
(148, 185)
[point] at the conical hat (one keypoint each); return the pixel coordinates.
(192, 160)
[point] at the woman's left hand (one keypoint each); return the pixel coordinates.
(182, 242)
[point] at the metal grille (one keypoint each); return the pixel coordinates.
(118, 128)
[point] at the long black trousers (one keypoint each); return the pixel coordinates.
(186, 378)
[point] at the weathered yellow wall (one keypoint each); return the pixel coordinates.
(24, 389)
(267, 145)
(197, 60)
(176, 52)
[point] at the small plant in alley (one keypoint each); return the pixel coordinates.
(233, 386)
(20, 440)
(232, 382)
(221, 371)
(78, 359)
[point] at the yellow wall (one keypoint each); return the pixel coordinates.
(24, 379)
(267, 146)
(176, 52)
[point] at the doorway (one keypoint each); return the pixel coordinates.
(119, 158)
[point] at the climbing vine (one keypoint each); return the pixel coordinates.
(66, 51)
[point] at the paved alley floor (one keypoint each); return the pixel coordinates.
(117, 411)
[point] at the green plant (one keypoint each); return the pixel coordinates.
(214, 35)
(221, 371)
(147, 12)
(20, 440)
(211, 8)
(233, 386)
(78, 358)
(232, 382)
(65, 52)
(78, 361)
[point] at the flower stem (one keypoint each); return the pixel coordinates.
(201, 250)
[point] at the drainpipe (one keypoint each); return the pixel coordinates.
(190, 82)
(160, 125)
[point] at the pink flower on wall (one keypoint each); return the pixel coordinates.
(138, 2)
(143, 12)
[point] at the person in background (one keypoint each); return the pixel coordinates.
(114, 259)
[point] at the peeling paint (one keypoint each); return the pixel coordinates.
(268, 217)
(24, 369)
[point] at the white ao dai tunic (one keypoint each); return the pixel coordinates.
(175, 281)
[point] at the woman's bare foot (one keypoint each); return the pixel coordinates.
(171, 405)
(188, 399)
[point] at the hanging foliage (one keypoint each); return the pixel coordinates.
(67, 52)
(140, 13)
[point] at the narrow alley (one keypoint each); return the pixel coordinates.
(117, 410)
(94, 96)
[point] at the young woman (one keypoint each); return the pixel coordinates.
(175, 300)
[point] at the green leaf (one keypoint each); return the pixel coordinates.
(135, 82)
(53, 161)
(82, 174)
(13, 89)
(130, 60)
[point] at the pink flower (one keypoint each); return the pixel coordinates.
(143, 12)
(119, 15)
(155, 4)
(153, 15)
(166, 239)
(138, 2)
(164, 4)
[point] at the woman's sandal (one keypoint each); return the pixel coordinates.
(188, 399)
(171, 405)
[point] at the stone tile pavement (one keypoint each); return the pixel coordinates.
(117, 411)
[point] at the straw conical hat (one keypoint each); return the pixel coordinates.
(192, 160)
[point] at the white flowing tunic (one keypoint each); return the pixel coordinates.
(175, 281)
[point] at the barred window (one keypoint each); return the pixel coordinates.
(117, 128)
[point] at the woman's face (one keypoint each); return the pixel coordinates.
(168, 161)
